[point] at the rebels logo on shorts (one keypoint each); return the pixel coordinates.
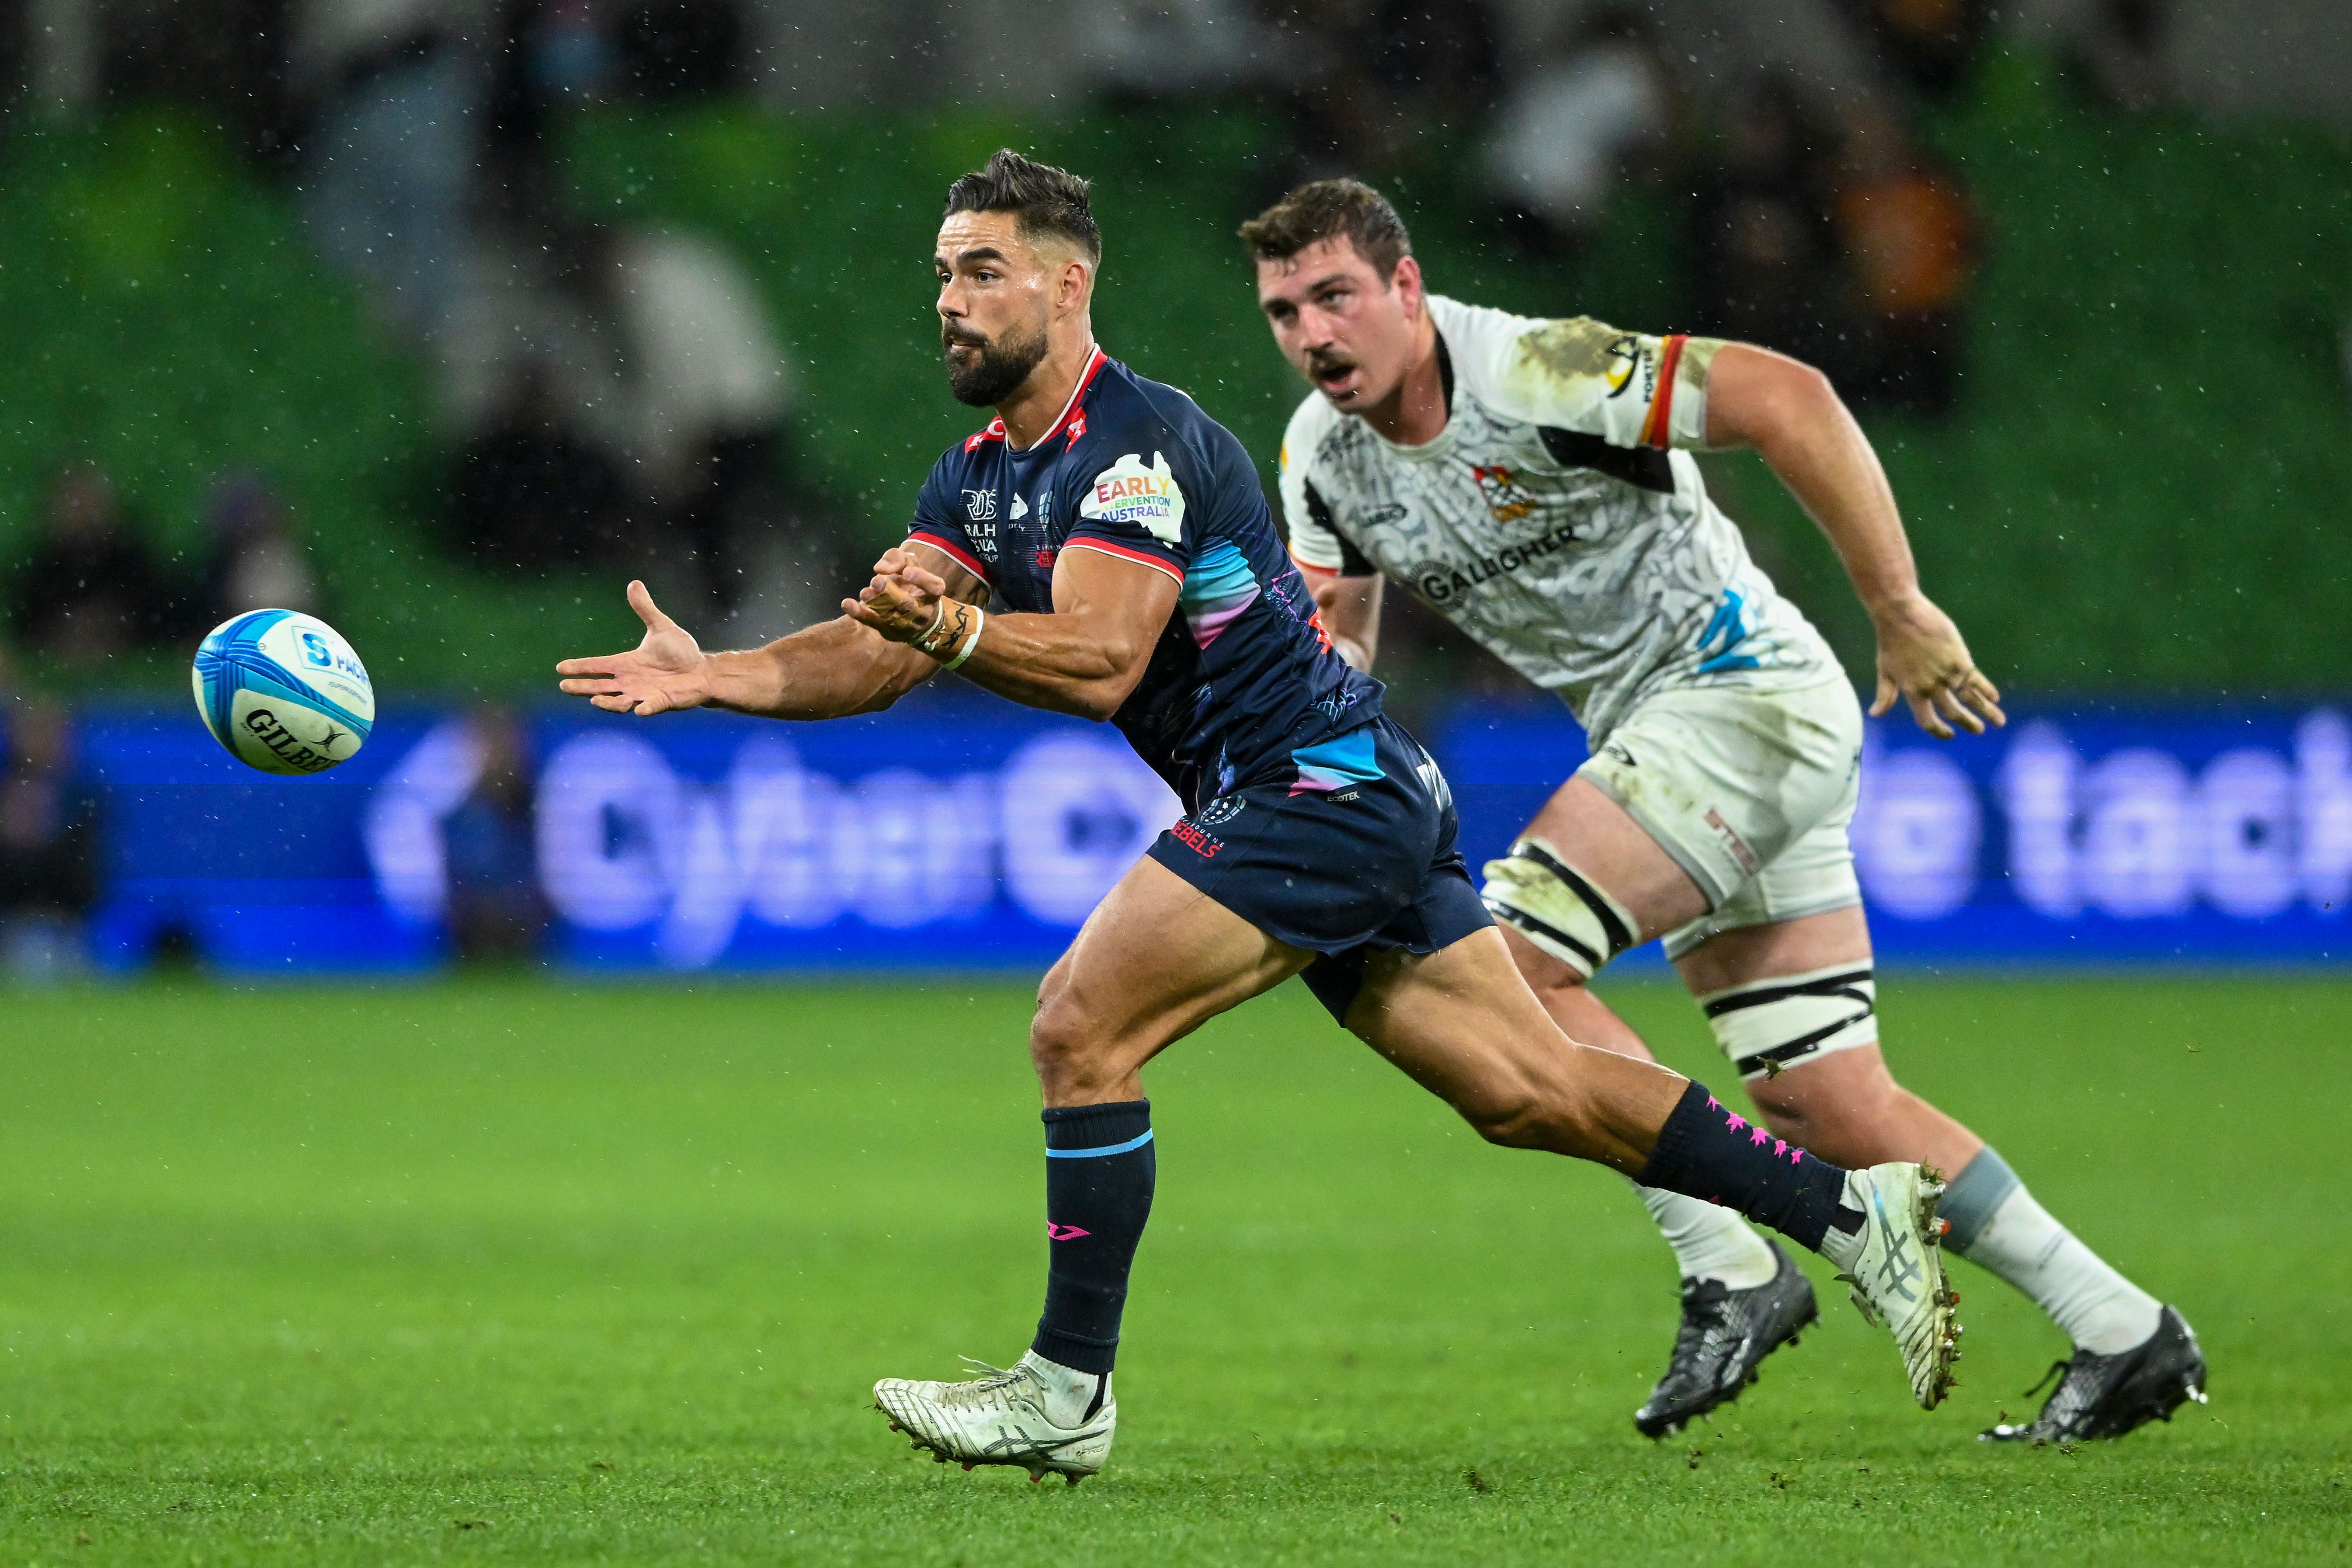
(1193, 838)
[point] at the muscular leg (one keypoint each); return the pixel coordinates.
(1155, 962)
(1460, 1024)
(1848, 1109)
(1594, 834)
(1845, 1106)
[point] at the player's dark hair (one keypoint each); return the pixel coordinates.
(1048, 200)
(1326, 210)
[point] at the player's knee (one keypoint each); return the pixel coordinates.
(1557, 915)
(1842, 1115)
(1065, 1046)
(1769, 1027)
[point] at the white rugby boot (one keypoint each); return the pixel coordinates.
(1896, 1272)
(1002, 1419)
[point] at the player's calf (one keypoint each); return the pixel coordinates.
(1879, 1225)
(1477, 1038)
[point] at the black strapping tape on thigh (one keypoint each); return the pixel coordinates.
(1619, 939)
(1827, 985)
(1802, 1045)
(1512, 915)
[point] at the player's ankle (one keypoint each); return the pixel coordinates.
(1072, 1396)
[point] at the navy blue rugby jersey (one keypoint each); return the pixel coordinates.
(1244, 689)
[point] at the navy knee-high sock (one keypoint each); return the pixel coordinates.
(1099, 1169)
(1706, 1151)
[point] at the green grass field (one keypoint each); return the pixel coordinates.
(504, 1272)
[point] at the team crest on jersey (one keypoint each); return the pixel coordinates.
(1129, 492)
(1624, 357)
(1505, 497)
(1219, 812)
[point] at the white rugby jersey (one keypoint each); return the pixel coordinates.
(1549, 520)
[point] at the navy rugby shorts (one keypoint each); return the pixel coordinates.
(1351, 854)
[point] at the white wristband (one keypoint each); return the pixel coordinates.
(980, 619)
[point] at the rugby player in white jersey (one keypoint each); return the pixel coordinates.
(1530, 480)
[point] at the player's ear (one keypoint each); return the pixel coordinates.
(1406, 282)
(1077, 284)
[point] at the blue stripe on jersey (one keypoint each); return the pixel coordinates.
(1219, 572)
(1335, 765)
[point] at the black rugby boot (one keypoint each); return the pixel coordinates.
(1725, 1334)
(2107, 1395)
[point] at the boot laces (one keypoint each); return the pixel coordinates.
(988, 1389)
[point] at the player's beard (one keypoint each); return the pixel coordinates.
(1005, 363)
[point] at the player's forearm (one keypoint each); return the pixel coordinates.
(828, 671)
(1357, 653)
(1349, 610)
(1063, 663)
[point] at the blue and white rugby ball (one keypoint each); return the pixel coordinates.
(283, 692)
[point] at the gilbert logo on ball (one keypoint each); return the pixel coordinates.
(283, 692)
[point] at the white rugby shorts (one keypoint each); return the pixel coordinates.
(1750, 792)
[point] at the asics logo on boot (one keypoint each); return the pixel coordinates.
(1900, 1267)
(1064, 1232)
(1012, 1442)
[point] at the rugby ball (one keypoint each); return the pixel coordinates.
(283, 692)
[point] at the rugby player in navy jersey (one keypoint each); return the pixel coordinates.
(1102, 548)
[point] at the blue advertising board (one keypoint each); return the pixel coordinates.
(957, 832)
(2085, 833)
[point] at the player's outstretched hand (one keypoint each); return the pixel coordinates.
(663, 672)
(903, 602)
(1922, 659)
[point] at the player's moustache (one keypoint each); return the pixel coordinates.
(1320, 365)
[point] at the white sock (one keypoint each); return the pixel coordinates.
(1843, 1247)
(2100, 1309)
(1996, 1225)
(1709, 1242)
(1070, 1392)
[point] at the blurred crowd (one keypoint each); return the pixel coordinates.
(618, 396)
(94, 584)
(1815, 221)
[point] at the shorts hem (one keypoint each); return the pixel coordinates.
(1166, 849)
(1715, 894)
(1682, 939)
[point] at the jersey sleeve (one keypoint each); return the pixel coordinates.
(938, 522)
(1315, 542)
(1141, 507)
(1628, 388)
